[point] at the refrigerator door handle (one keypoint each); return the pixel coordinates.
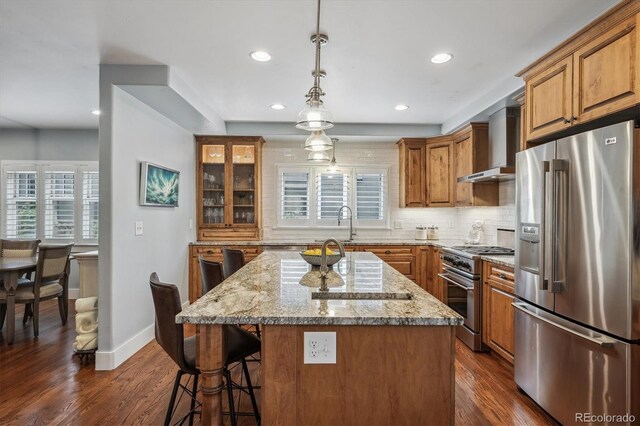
(600, 341)
(558, 225)
(543, 283)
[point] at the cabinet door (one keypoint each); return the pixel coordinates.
(463, 153)
(440, 174)
(211, 185)
(412, 175)
(606, 73)
(498, 319)
(549, 100)
(243, 202)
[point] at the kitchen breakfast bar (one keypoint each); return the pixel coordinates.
(394, 343)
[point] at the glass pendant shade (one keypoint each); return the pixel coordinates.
(318, 141)
(318, 156)
(314, 117)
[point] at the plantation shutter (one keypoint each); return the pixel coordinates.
(21, 200)
(59, 205)
(370, 195)
(332, 193)
(294, 195)
(90, 205)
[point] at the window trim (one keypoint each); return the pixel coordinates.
(78, 167)
(313, 222)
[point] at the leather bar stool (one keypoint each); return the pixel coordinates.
(212, 274)
(233, 260)
(170, 336)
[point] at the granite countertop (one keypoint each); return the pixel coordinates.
(268, 291)
(509, 261)
(356, 242)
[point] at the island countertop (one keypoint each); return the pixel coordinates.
(268, 291)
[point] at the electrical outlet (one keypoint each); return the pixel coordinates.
(139, 228)
(320, 347)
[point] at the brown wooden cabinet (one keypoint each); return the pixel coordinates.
(497, 311)
(471, 155)
(401, 258)
(412, 172)
(591, 75)
(214, 254)
(440, 172)
(228, 182)
(428, 266)
(605, 72)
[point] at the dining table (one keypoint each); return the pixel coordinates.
(11, 269)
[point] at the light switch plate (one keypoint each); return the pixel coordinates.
(320, 347)
(139, 228)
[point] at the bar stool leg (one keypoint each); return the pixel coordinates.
(232, 407)
(252, 395)
(193, 399)
(172, 401)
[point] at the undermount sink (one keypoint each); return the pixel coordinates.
(360, 295)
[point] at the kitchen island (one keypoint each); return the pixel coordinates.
(394, 358)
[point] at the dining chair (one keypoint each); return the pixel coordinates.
(170, 336)
(51, 281)
(15, 249)
(233, 260)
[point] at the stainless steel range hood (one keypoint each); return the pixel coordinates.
(504, 134)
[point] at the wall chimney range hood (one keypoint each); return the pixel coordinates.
(504, 134)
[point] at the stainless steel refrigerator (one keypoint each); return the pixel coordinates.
(577, 316)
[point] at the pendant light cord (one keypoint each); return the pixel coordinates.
(316, 81)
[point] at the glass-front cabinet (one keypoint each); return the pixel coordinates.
(229, 188)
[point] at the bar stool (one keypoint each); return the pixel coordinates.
(170, 336)
(211, 275)
(233, 260)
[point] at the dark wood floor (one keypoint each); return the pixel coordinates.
(40, 383)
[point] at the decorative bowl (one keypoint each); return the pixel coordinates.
(316, 260)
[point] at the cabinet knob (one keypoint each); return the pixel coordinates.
(209, 251)
(567, 120)
(503, 276)
(387, 252)
(574, 119)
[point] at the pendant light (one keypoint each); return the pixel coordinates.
(318, 141)
(333, 166)
(318, 156)
(315, 116)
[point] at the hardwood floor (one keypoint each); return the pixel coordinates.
(41, 383)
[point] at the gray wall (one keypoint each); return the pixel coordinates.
(49, 144)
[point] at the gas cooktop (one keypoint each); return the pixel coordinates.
(485, 250)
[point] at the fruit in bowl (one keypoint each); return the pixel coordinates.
(314, 257)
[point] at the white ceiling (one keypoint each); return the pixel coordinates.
(377, 56)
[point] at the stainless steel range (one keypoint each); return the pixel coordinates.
(462, 275)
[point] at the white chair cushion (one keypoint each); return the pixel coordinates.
(17, 253)
(25, 292)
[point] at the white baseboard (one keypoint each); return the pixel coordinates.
(74, 293)
(111, 360)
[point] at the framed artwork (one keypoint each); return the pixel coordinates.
(158, 185)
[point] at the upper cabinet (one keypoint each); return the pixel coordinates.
(471, 155)
(440, 172)
(593, 74)
(228, 186)
(412, 172)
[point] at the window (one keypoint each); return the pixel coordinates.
(312, 196)
(294, 195)
(55, 202)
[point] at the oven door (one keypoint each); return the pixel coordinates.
(460, 295)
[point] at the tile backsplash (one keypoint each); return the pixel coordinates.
(453, 223)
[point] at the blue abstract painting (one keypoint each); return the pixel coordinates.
(160, 186)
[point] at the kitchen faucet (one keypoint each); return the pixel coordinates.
(350, 218)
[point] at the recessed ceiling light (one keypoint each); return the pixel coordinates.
(401, 107)
(95, 112)
(278, 106)
(441, 58)
(260, 56)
